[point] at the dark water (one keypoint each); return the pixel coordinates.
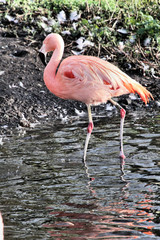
(46, 191)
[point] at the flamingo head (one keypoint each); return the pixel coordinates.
(51, 42)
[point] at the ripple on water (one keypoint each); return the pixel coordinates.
(48, 192)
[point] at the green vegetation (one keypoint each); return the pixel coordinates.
(127, 30)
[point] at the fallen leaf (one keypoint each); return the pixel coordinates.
(83, 43)
(74, 16)
(77, 52)
(61, 17)
(121, 45)
(132, 38)
(122, 30)
(67, 32)
(147, 42)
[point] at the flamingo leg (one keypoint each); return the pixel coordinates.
(89, 130)
(122, 113)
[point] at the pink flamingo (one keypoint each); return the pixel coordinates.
(88, 79)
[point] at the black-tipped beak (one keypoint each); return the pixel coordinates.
(43, 58)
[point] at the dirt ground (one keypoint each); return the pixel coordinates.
(24, 98)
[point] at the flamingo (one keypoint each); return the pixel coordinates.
(88, 79)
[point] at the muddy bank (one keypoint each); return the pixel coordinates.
(23, 94)
(24, 98)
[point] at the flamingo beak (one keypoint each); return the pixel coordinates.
(42, 55)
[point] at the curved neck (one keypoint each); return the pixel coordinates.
(54, 61)
(50, 70)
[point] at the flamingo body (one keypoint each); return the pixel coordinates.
(85, 78)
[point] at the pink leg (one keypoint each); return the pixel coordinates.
(89, 131)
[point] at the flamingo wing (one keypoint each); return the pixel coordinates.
(99, 73)
(91, 69)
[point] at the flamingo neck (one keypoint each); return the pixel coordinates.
(50, 70)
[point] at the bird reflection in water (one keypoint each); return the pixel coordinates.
(99, 218)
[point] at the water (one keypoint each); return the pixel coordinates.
(47, 192)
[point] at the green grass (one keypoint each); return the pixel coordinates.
(141, 18)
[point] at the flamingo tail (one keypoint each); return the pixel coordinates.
(135, 87)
